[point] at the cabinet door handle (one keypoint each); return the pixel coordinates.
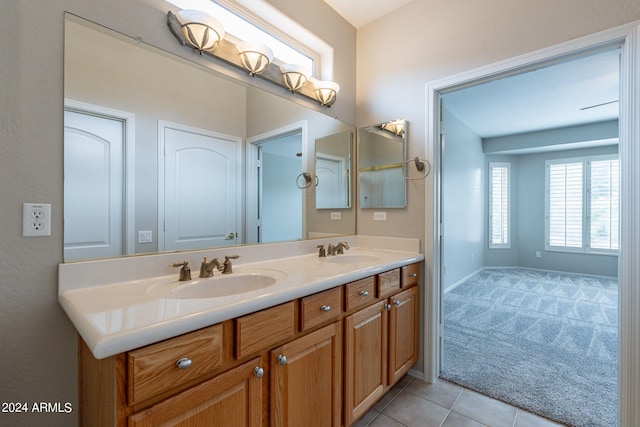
(325, 308)
(364, 293)
(282, 360)
(413, 275)
(258, 371)
(387, 307)
(183, 363)
(397, 303)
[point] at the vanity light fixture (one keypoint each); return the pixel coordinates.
(200, 29)
(396, 127)
(203, 32)
(255, 56)
(294, 75)
(325, 91)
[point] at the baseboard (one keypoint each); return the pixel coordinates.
(464, 279)
(416, 374)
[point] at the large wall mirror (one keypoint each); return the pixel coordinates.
(162, 154)
(382, 151)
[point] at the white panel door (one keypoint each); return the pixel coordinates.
(201, 193)
(93, 186)
(331, 191)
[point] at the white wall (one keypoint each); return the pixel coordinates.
(39, 343)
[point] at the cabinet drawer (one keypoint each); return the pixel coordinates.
(410, 274)
(388, 283)
(259, 331)
(320, 308)
(153, 370)
(360, 293)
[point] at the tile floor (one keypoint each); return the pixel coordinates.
(414, 403)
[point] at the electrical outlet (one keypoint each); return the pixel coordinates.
(538, 254)
(145, 236)
(36, 219)
(379, 216)
(336, 215)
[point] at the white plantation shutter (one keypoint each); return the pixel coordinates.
(582, 204)
(499, 205)
(603, 206)
(565, 186)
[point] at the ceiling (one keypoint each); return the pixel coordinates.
(574, 92)
(361, 12)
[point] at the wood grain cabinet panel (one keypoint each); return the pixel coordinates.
(263, 329)
(153, 369)
(410, 275)
(388, 283)
(360, 293)
(403, 333)
(323, 307)
(232, 399)
(305, 389)
(365, 359)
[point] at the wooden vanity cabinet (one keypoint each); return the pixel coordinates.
(381, 342)
(320, 360)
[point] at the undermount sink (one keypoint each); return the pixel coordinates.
(353, 258)
(218, 286)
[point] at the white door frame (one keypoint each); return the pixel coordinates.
(129, 178)
(629, 149)
(162, 125)
(251, 150)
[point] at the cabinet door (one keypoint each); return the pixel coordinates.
(232, 399)
(403, 333)
(365, 359)
(306, 385)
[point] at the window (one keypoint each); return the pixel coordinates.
(258, 21)
(499, 233)
(582, 204)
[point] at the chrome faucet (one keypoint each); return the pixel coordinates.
(185, 271)
(228, 268)
(206, 268)
(321, 252)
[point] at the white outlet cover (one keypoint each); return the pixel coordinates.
(379, 216)
(336, 215)
(36, 219)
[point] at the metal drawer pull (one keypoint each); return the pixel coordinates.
(413, 275)
(396, 303)
(364, 293)
(183, 363)
(325, 308)
(258, 371)
(282, 360)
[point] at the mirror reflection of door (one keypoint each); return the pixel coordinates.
(199, 188)
(332, 187)
(281, 164)
(94, 202)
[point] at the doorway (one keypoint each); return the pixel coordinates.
(98, 211)
(276, 202)
(629, 158)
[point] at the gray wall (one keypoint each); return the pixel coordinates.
(464, 195)
(39, 362)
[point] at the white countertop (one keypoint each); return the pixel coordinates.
(117, 317)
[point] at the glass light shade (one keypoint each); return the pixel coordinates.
(294, 75)
(326, 91)
(254, 56)
(201, 30)
(395, 126)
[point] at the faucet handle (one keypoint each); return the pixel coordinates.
(185, 271)
(321, 253)
(228, 268)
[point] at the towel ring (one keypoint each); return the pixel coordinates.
(307, 180)
(420, 166)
